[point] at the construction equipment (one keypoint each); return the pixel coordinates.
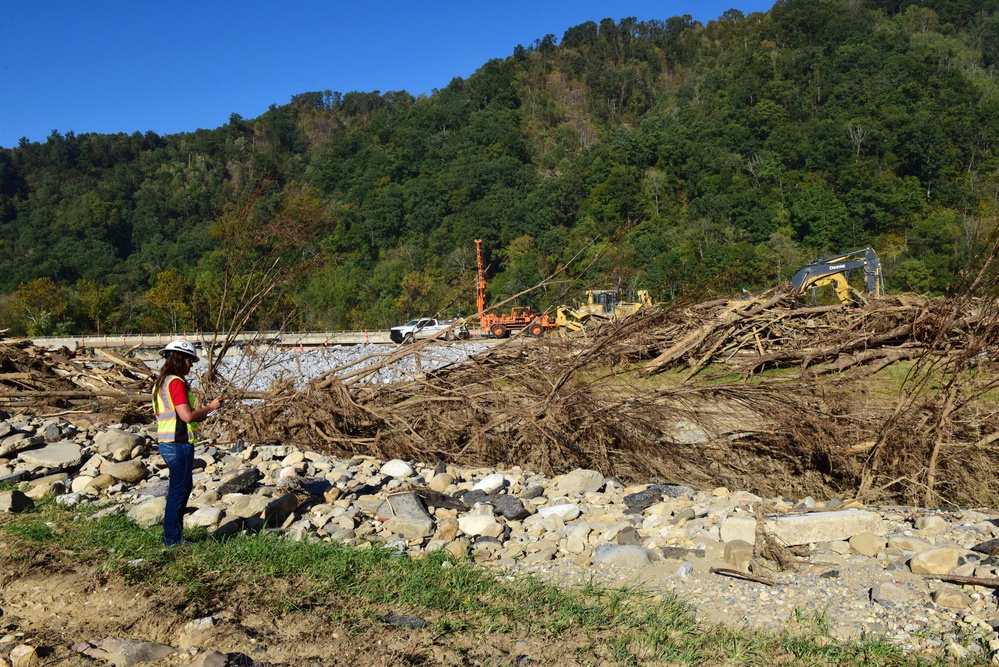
(574, 319)
(831, 271)
(601, 305)
(605, 303)
(521, 318)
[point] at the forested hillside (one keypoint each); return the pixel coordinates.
(664, 155)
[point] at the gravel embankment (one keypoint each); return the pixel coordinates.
(255, 372)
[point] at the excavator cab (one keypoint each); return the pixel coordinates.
(599, 302)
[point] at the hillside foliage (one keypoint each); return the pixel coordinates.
(664, 155)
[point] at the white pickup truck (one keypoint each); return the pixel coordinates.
(425, 327)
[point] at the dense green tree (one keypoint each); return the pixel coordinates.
(169, 300)
(40, 306)
(97, 303)
(990, 40)
(661, 154)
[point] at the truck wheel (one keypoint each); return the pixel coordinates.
(498, 331)
(409, 338)
(448, 335)
(535, 329)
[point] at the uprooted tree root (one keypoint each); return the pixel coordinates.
(642, 400)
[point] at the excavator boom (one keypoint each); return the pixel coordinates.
(831, 271)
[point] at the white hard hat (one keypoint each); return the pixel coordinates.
(180, 346)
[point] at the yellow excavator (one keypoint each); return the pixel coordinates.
(831, 271)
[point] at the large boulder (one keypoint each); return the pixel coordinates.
(280, 509)
(240, 481)
(565, 511)
(740, 527)
(409, 517)
(98, 484)
(14, 501)
(125, 652)
(133, 471)
(624, 555)
(825, 526)
(478, 524)
(204, 517)
(246, 506)
(54, 456)
(397, 468)
(17, 442)
(580, 481)
(490, 483)
(938, 560)
(149, 512)
(739, 554)
(117, 444)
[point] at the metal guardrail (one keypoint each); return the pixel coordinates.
(279, 338)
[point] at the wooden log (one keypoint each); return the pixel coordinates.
(988, 582)
(889, 356)
(74, 394)
(680, 347)
(707, 355)
(738, 574)
(859, 343)
(139, 367)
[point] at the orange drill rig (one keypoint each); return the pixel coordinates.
(520, 317)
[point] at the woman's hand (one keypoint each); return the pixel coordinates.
(187, 415)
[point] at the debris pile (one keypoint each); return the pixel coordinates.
(890, 400)
(778, 330)
(38, 379)
(680, 393)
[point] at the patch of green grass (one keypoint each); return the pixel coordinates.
(33, 531)
(351, 586)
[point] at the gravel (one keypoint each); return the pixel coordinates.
(251, 370)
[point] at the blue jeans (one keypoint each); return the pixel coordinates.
(179, 457)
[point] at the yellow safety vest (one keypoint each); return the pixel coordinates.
(167, 424)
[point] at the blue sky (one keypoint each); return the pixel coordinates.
(115, 66)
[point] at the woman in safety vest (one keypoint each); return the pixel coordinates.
(176, 432)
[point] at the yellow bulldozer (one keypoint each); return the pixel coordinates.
(600, 306)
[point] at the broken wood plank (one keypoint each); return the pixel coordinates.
(122, 361)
